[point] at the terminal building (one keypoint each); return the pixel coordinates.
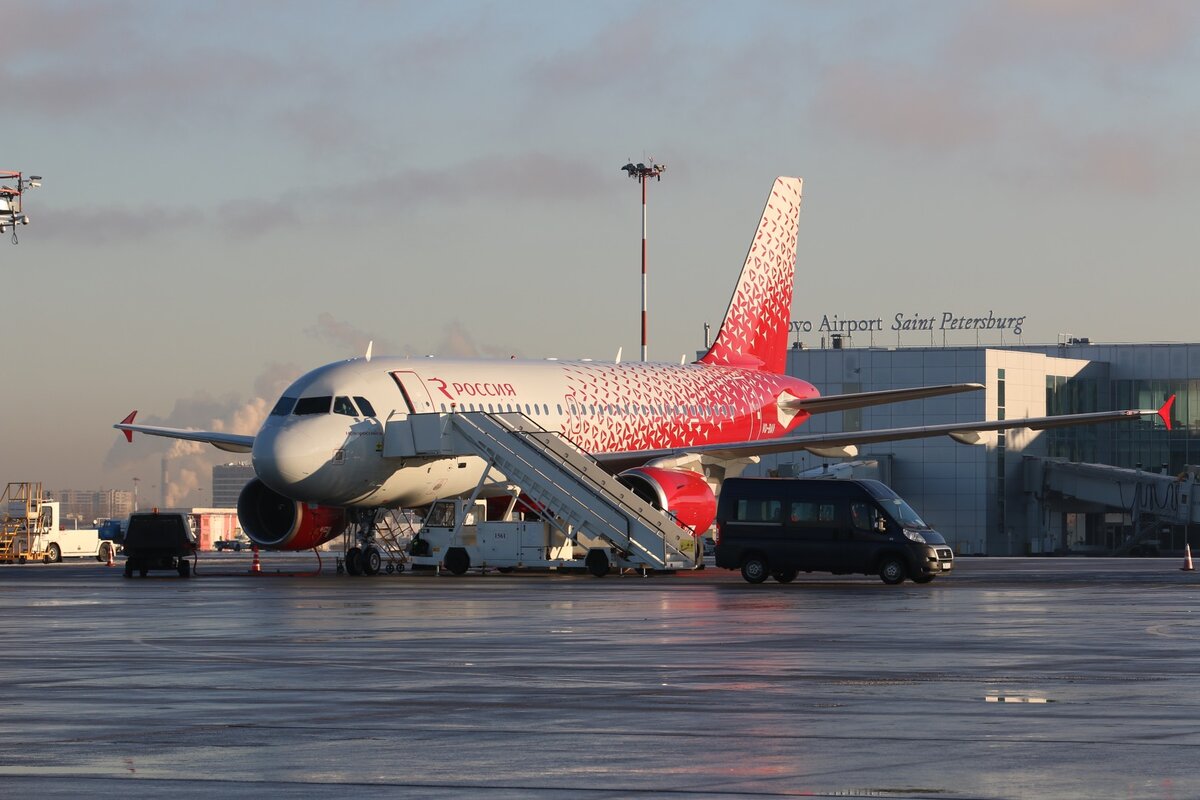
(1017, 492)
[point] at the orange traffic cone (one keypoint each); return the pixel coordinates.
(1187, 559)
(255, 566)
(111, 562)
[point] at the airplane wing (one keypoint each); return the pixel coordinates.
(841, 402)
(231, 442)
(843, 444)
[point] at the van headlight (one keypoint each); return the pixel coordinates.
(914, 535)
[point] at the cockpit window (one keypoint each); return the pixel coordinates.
(367, 409)
(283, 407)
(342, 405)
(312, 405)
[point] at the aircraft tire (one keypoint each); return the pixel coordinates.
(370, 560)
(754, 568)
(354, 561)
(891, 570)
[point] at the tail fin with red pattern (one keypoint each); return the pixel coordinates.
(755, 329)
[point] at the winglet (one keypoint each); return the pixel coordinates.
(1164, 413)
(128, 420)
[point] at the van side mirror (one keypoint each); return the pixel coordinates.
(881, 525)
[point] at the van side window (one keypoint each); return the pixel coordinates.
(759, 511)
(804, 513)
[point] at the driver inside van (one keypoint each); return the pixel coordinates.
(860, 513)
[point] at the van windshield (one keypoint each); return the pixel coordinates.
(902, 512)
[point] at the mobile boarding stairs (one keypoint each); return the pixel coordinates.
(584, 510)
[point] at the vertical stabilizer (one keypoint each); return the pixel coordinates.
(755, 330)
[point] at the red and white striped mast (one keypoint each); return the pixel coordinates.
(643, 172)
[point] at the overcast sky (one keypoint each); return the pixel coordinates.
(238, 192)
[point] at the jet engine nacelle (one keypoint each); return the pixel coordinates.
(280, 523)
(683, 493)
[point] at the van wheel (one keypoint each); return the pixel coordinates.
(924, 579)
(128, 569)
(785, 575)
(754, 569)
(891, 570)
(185, 568)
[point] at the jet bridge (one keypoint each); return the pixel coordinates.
(589, 505)
(1151, 499)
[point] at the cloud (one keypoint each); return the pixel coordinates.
(189, 464)
(1093, 34)
(625, 53)
(506, 179)
(346, 337)
(110, 224)
(905, 106)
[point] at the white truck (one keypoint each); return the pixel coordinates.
(43, 536)
(456, 537)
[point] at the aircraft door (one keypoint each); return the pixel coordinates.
(416, 395)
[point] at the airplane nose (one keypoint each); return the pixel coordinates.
(287, 455)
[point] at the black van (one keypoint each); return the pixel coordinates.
(780, 526)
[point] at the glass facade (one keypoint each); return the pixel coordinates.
(988, 498)
(1143, 443)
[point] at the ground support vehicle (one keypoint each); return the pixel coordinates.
(160, 541)
(456, 537)
(778, 527)
(32, 530)
(236, 544)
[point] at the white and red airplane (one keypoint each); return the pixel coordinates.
(672, 432)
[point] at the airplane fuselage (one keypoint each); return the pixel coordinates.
(322, 444)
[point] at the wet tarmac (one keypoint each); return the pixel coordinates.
(1014, 678)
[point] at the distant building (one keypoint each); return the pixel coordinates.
(84, 506)
(991, 498)
(228, 480)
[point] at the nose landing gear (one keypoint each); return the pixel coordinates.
(377, 547)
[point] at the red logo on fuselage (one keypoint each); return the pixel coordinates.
(473, 389)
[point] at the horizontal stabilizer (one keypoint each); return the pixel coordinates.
(229, 442)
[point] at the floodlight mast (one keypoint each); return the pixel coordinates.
(12, 211)
(642, 173)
